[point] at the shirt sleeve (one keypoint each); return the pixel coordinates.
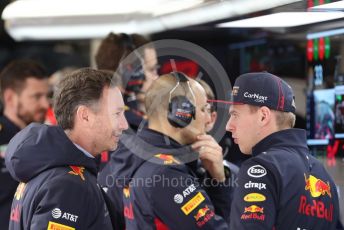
(180, 202)
(254, 201)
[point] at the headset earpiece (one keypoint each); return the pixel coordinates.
(133, 75)
(180, 110)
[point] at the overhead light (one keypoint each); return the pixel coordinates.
(326, 33)
(284, 19)
(89, 19)
(66, 8)
(334, 6)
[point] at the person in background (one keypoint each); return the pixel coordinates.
(230, 167)
(56, 165)
(231, 153)
(212, 106)
(54, 79)
(168, 149)
(281, 186)
(24, 94)
(137, 78)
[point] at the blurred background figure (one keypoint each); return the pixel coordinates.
(212, 106)
(110, 55)
(226, 142)
(53, 80)
(24, 94)
(231, 153)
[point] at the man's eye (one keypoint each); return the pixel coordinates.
(36, 97)
(232, 115)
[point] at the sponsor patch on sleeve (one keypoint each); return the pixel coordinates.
(253, 212)
(77, 171)
(256, 171)
(20, 191)
(193, 203)
(56, 226)
(254, 197)
(203, 215)
(167, 159)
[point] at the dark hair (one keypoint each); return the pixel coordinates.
(81, 87)
(114, 48)
(14, 75)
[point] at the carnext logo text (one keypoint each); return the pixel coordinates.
(256, 96)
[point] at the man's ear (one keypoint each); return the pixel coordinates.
(213, 116)
(10, 97)
(265, 115)
(83, 114)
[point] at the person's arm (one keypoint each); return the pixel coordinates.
(219, 186)
(180, 202)
(254, 201)
(210, 153)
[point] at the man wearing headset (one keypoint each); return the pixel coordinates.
(159, 179)
(137, 75)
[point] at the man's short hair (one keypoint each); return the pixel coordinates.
(113, 49)
(14, 75)
(81, 87)
(157, 96)
(283, 119)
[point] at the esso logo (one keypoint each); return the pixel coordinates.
(256, 171)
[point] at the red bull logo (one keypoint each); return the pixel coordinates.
(254, 209)
(316, 208)
(201, 212)
(168, 159)
(317, 187)
(203, 216)
(252, 216)
(77, 171)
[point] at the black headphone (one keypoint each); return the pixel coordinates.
(180, 110)
(133, 75)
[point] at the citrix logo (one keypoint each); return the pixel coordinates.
(259, 186)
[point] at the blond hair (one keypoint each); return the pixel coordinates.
(284, 120)
(158, 95)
